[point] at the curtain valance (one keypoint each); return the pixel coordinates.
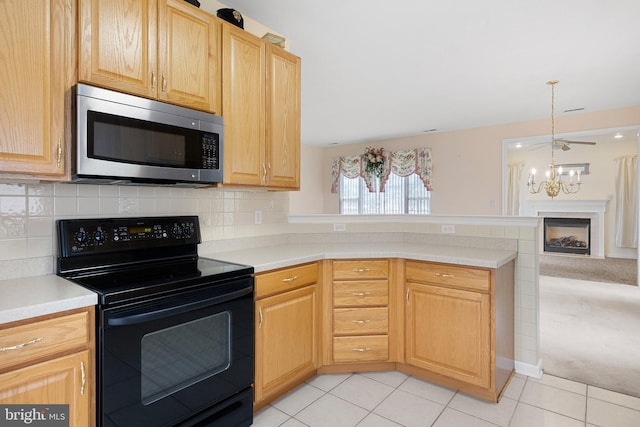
(402, 163)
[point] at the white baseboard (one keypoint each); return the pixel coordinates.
(529, 369)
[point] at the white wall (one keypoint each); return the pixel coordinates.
(467, 164)
(309, 199)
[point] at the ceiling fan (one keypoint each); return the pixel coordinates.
(563, 144)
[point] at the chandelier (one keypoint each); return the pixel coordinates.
(554, 183)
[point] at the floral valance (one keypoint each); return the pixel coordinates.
(402, 163)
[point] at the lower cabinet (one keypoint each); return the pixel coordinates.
(286, 330)
(49, 360)
(450, 324)
(448, 331)
(459, 326)
(360, 306)
(58, 381)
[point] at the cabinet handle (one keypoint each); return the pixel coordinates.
(24, 344)
(362, 350)
(361, 322)
(445, 276)
(290, 279)
(260, 317)
(360, 294)
(84, 378)
(164, 83)
(361, 270)
(406, 295)
(59, 152)
(153, 81)
(264, 172)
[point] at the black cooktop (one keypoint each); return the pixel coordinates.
(155, 279)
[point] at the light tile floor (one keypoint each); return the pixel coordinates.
(381, 399)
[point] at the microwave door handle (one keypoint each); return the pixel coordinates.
(147, 316)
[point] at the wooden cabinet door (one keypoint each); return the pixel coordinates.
(118, 45)
(64, 380)
(286, 339)
(33, 87)
(243, 107)
(188, 56)
(448, 332)
(283, 119)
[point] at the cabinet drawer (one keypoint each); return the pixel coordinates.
(25, 343)
(448, 275)
(284, 280)
(360, 321)
(361, 293)
(346, 270)
(360, 349)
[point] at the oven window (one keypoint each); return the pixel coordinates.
(177, 357)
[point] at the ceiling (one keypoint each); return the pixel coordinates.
(374, 70)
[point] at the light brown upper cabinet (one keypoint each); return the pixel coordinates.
(161, 49)
(33, 81)
(261, 108)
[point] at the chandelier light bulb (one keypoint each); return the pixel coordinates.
(560, 170)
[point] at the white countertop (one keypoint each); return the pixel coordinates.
(39, 295)
(272, 257)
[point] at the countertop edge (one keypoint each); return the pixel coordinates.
(282, 256)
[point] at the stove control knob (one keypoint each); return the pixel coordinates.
(100, 236)
(81, 237)
(188, 230)
(177, 230)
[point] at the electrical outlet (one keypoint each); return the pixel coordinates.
(258, 217)
(339, 227)
(447, 228)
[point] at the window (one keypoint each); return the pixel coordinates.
(402, 195)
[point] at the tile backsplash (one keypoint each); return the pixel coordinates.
(28, 213)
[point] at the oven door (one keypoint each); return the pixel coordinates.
(179, 359)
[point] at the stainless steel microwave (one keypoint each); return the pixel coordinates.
(125, 139)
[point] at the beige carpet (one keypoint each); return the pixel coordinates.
(610, 270)
(590, 332)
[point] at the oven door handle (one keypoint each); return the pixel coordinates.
(146, 316)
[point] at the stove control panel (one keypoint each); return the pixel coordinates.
(116, 234)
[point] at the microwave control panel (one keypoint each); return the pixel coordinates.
(210, 149)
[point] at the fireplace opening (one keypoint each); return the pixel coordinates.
(567, 235)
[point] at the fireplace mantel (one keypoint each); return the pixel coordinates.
(593, 209)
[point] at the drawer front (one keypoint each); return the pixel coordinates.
(448, 275)
(25, 343)
(284, 280)
(360, 321)
(361, 293)
(361, 349)
(347, 270)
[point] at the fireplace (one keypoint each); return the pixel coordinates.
(567, 235)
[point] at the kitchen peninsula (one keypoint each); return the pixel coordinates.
(370, 306)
